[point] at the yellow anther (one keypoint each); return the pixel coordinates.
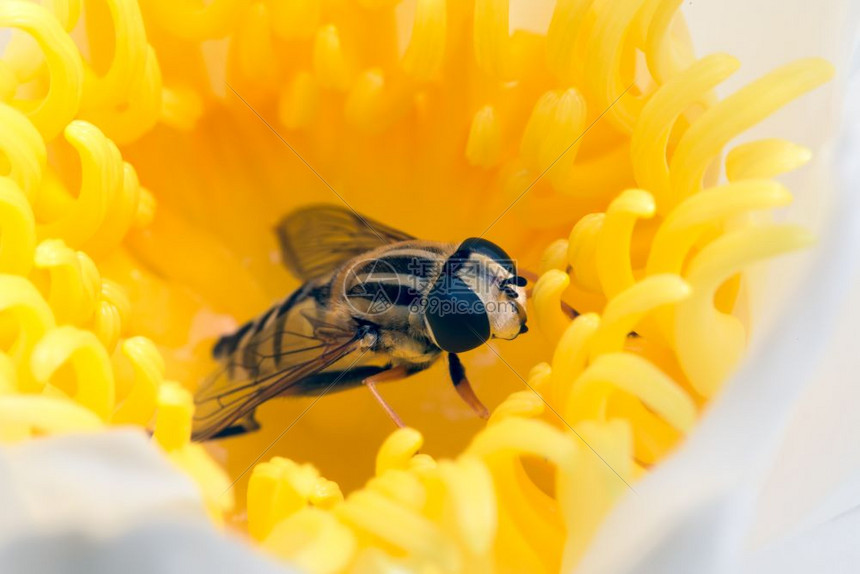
(74, 281)
(298, 102)
(553, 133)
(398, 449)
(539, 376)
(687, 223)
(145, 209)
(196, 19)
(571, 355)
(549, 316)
(523, 404)
(660, 50)
(652, 130)
(94, 383)
(624, 311)
(637, 376)
(276, 490)
(542, 115)
(140, 108)
(23, 148)
(120, 215)
(400, 486)
(326, 494)
(523, 436)
(313, 541)
(122, 26)
(735, 114)
(765, 158)
(426, 49)
(255, 50)
(554, 256)
(30, 318)
(604, 45)
(613, 246)
(590, 492)
(561, 39)
(330, 61)
(65, 68)
(8, 81)
(407, 530)
(713, 342)
(111, 312)
(18, 225)
(491, 38)
(8, 375)
(139, 404)
(101, 168)
(181, 107)
(173, 419)
(295, 19)
(422, 463)
(582, 251)
(484, 146)
(41, 415)
(365, 102)
(473, 501)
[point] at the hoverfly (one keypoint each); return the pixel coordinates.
(376, 305)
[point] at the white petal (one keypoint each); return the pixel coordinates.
(108, 502)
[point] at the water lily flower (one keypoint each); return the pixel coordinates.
(672, 424)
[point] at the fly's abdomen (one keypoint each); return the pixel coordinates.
(275, 354)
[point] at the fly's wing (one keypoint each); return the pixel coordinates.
(316, 239)
(266, 364)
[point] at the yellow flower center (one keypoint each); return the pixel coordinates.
(147, 151)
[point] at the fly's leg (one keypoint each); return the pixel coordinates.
(463, 388)
(389, 375)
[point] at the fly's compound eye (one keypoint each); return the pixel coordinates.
(455, 315)
(486, 248)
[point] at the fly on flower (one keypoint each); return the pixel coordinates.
(377, 305)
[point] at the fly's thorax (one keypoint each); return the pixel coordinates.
(386, 285)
